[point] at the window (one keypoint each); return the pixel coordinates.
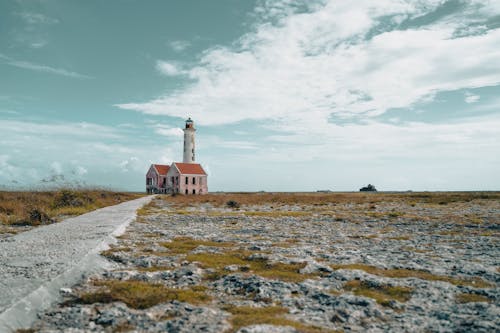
(187, 191)
(149, 181)
(194, 191)
(194, 180)
(177, 180)
(187, 181)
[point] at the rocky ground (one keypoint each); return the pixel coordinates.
(370, 263)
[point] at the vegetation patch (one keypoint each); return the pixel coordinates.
(287, 243)
(273, 315)
(382, 294)
(277, 213)
(400, 238)
(37, 207)
(183, 245)
(141, 295)
(409, 273)
(260, 266)
(471, 298)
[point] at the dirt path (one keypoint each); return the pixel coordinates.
(34, 265)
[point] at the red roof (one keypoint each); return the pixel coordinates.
(161, 169)
(190, 168)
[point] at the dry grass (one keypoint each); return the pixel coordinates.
(399, 238)
(35, 208)
(470, 298)
(273, 315)
(183, 245)
(382, 294)
(141, 295)
(290, 242)
(276, 271)
(320, 199)
(410, 273)
(277, 213)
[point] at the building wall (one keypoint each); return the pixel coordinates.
(157, 180)
(200, 186)
(154, 179)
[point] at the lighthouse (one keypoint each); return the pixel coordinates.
(189, 132)
(185, 178)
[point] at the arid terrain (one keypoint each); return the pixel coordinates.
(336, 262)
(22, 210)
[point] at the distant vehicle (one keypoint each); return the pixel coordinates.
(368, 188)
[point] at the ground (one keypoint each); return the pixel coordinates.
(413, 262)
(23, 210)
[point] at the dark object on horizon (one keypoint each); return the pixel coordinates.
(368, 188)
(232, 204)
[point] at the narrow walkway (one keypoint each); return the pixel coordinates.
(34, 265)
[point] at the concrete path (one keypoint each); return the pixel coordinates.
(34, 265)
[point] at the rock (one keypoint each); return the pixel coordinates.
(267, 329)
(232, 268)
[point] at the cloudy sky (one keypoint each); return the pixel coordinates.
(287, 95)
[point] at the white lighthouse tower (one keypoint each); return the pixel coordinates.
(189, 132)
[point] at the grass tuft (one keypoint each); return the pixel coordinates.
(471, 298)
(262, 267)
(183, 245)
(382, 294)
(141, 295)
(273, 315)
(409, 273)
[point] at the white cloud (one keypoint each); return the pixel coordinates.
(56, 167)
(40, 68)
(37, 18)
(58, 153)
(168, 69)
(295, 66)
(129, 164)
(471, 98)
(220, 142)
(38, 44)
(81, 171)
(7, 170)
(59, 129)
(8, 111)
(179, 45)
(168, 131)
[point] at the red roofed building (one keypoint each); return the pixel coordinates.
(186, 178)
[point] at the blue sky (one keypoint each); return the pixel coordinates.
(286, 95)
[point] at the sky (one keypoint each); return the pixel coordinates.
(286, 95)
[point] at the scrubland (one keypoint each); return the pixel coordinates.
(297, 262)
(20, 211)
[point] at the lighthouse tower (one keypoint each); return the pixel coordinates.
(189, 131)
